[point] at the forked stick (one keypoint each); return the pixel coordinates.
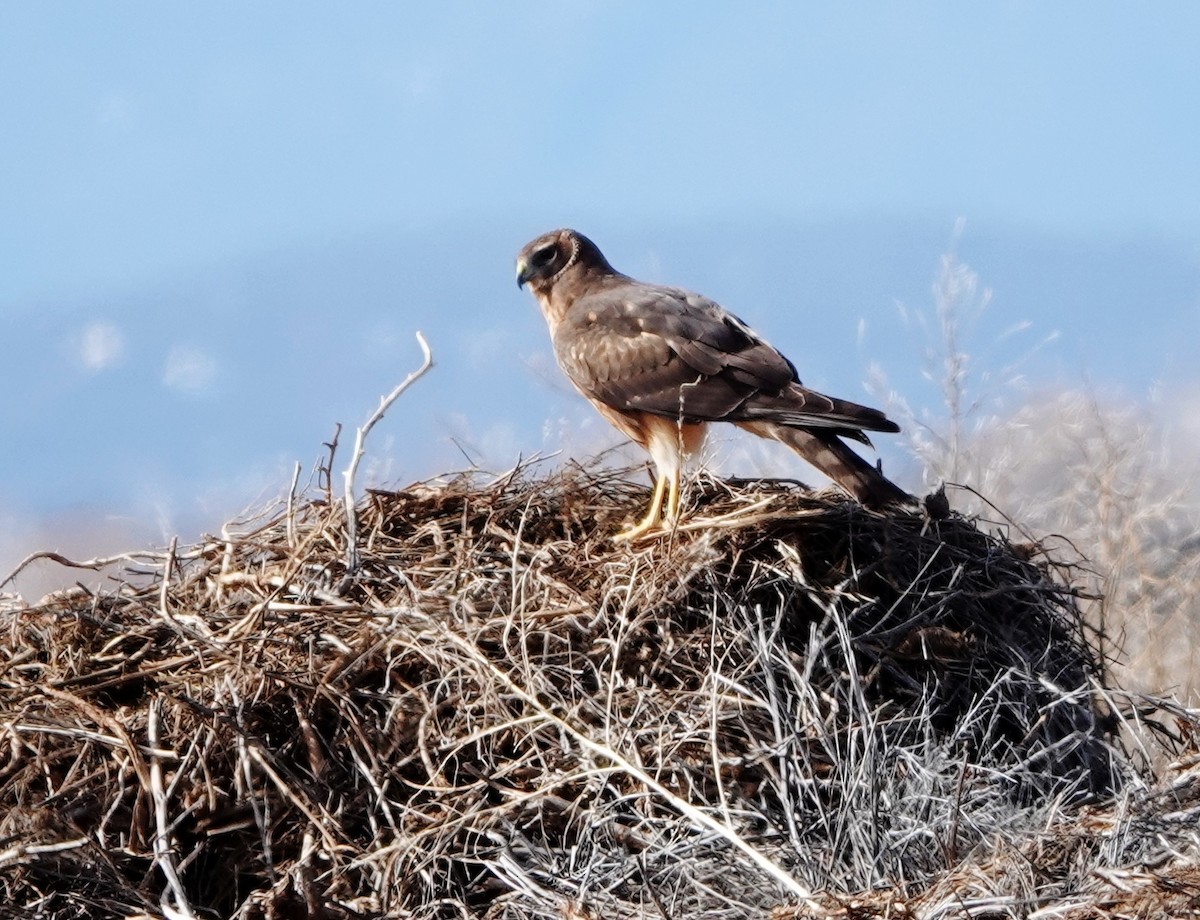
(360, 438)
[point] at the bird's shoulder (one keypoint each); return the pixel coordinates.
(632, 307)
(645, 324)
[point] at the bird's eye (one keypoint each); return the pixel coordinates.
(544, 256)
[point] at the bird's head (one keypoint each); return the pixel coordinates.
(544, 260)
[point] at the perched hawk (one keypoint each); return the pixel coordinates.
(660, 363)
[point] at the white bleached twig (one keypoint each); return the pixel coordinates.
(174, 901)
(360, 438)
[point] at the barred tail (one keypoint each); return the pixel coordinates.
(831, 456)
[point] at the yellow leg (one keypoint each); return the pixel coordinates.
(650, 521)
(673, 498)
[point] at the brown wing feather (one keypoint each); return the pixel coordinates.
(638, 347)
(657, 350)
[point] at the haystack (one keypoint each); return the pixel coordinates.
(790, 706)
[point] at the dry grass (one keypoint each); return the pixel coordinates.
(1088, 463)
(793, 705)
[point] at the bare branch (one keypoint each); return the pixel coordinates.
(360, 437)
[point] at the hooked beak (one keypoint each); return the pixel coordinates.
(522, 272)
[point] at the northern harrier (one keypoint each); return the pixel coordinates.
(660, 363)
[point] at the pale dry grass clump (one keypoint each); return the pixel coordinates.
(791, 704)
(1115, 476)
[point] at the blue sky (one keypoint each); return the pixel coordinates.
(223, 222)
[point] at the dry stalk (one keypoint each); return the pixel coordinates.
(360, 437)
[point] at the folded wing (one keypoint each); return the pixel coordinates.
(668, 352)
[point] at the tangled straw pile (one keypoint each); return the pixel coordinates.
(790, 705)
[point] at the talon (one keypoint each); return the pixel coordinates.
(637, 531)
(653, 513)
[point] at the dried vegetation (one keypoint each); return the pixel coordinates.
(792, 707)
